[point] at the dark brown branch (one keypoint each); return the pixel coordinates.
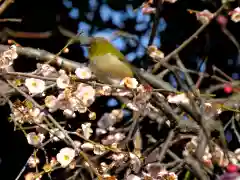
(185, 43)
(156, 21)
(4, 5)
(26, 35)
(44, 56)
(196, 168)
(166, 145)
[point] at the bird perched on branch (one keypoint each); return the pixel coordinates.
(107, 62)
(109, 65)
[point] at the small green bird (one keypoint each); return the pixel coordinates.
(109, 65)
(107, 62)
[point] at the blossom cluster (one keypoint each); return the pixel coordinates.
(217, 157)
(72, 95)
(24, 112)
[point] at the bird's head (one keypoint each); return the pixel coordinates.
(99, 46)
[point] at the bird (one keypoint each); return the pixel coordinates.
(107, 62)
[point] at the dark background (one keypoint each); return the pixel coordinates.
(102, 17)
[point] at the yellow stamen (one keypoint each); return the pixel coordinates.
(34, 84)
(66, 157)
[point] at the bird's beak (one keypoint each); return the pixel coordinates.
(85, 41)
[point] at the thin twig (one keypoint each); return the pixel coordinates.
(185, 43)
(221, 72)
(4, 5)
(187, 76)
(231, 37)
(44, 56)
(27, 75)
(216, 87)
(26, 35)
(196, 168)
(156, 21)
(10, 20)
(166, 145)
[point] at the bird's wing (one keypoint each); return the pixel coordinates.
(111, 66)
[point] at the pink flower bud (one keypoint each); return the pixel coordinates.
(222, 20)
(228, 89)
(232, 168)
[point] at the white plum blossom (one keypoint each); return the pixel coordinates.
(86, 94)
(83, 73)
(207, 159)
(118, 156)
(119, 137)
(87, 130)
(69, 103)
(133, 177)
(179, 98)
(34, 112)
(77, 143)
(35, 139)
(77, 105)
(32, 176)
(23, 114)
(106, 90)
(36, 115)
(100, 131)
(155, 53)
(135, 162)
(63, 101)
(65, 156)
(113, 138)
(204, 16)
(47, 70)
(237, 153)
(129, 82)
(87, 146)
(132, 106)
(62, 71)
(33, 161)
(8, 56)
(56, 134)
(105, 175)
(69, 113)
(99, 149)
(35, 86)
(235, 15)
(170, 1)
(17, 115)
(63, 81)
(51, 102)
(104, 167)
(110, 139)
(167, 175)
